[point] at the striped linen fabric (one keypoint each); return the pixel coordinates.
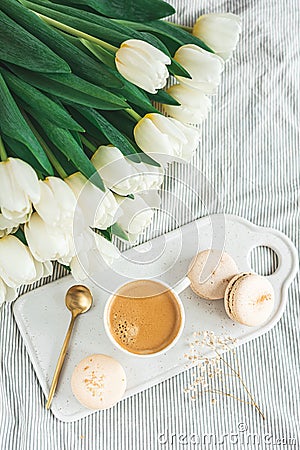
(249, 158)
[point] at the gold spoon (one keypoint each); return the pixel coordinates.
(78, 300)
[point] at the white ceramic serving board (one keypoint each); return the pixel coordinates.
(43, 318)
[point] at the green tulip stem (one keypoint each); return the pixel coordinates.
(52, 158)
(133, 114)
(88, 144)
(77, 33)
(3, 154)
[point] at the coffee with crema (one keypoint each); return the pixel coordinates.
(144, 317)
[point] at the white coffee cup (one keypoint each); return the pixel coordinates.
(176, 290)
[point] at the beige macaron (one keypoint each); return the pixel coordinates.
(210, 272)
(249, 299)
(98, 382)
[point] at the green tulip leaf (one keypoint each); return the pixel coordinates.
(66, 164)
(137, 10)
(86, 22)
(13, 125)
(40, 102)
(23, 49)
(110, 132)
(90, 129)
(163, 97)
(67, 144)
(72, 88)
(76, 136)
(80, 63)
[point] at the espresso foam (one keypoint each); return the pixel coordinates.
(144, 317)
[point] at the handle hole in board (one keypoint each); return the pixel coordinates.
(263, 260)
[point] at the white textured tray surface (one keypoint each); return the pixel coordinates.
(43, 318)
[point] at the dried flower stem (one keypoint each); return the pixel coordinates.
(218, 391)
(237, 373)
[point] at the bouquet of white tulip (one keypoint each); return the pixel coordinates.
(82, 147)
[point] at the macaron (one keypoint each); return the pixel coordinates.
(210, 272)
(249, 299)
(98, 382)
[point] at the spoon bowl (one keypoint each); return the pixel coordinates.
(79, 299)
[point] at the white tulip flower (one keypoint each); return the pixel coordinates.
(99, 207)
(166, 139)
(219, 31)
(137, 214)
(204, 67)
(48, 242)
(16, 264)
(7, 293)
(142, 64)
(19, 188)
(57, 202)
(194, 105)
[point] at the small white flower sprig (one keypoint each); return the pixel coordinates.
(214, 367)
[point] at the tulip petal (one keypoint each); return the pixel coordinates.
(148, 49)
(142, 64)
(99, 207)
(106, 249)
(116, 171)
(13, 201)
(225, 40)
(57, 203)
(26, 178)
(47, 206)
(63, 194)
(194, 104)
(137, 214)
(204, 67)
(7, 226)
(16, 264)
(152, 141)
(77, 269)
(2, 292)
(7, 293)
(45, 242)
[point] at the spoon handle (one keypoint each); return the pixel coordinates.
(60, 362)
